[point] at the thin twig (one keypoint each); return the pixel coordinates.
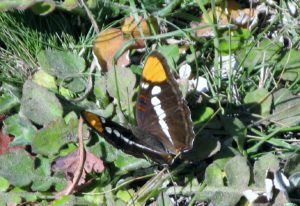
(70, 188)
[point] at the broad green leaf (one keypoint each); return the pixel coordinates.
(69, 4)
(224, 196)
(77, 84)
(290, 65)
(222, 157)
(268, 161)
(44, 79)
(171, 53)
(201, 114)
(214, 176)
(267, 52)
(123, 89)
(237, 130)
(100, 91)
(105, 151)
(233, 40)
(39, 105)
(7, 102)
(42, 179)
(9, 197)
(27, 196)
(125, 195)
(287, 108)
(237, 172)
(50, 139)
(4, 184)
(64, 65)
(205, 145)
(21, 128)
(18, 167)
(295, 180)
(129, 163)
(136, 69)
(43, 8)
(292, 165)
(259, 101)
(17, 4)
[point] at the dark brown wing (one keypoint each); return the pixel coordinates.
(161, 109)
(124, 139)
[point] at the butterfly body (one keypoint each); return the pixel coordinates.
(164, 125)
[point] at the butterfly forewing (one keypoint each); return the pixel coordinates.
(161, 110)
(123, 138)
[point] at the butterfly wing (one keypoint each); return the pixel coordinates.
(161, 109)
(123, 138)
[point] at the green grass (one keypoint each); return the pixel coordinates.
(246, 123)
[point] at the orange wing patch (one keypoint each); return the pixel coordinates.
(94, 121)
(153, 70)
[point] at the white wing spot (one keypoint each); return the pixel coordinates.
(117, 133)
(162, 116)
(155, 90)
(145, 85)
(159, 111)
(155, 101)
(166, 131)
(103, 120)
(108, 130)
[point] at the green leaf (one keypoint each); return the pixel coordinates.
(201, 114)
(10, 197)
(17, 4)
(237, 172)
(130, 163)
(268, 161)
(233, 40)
(237, 130)
(7, 102)
(43, 8)
(259, 101)
(290, 65)
(44, 79)
(126, 81)
(214, 176)
(205, 145)
(50, 139)
(267, 52)
(21, 128)
(292, 165)
(171, 53)
(42, 179)
(125, 195)
(100, 91)
(39, 105)
(287, 108)
(105, 151)
(4, 184)
(77, 84)
(64, 65)
(18, 167)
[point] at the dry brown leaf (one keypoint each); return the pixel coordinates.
(68, 164)
(136, 30)
(229, 12)
(106, 46)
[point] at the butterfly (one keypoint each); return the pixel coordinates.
(164, 127)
